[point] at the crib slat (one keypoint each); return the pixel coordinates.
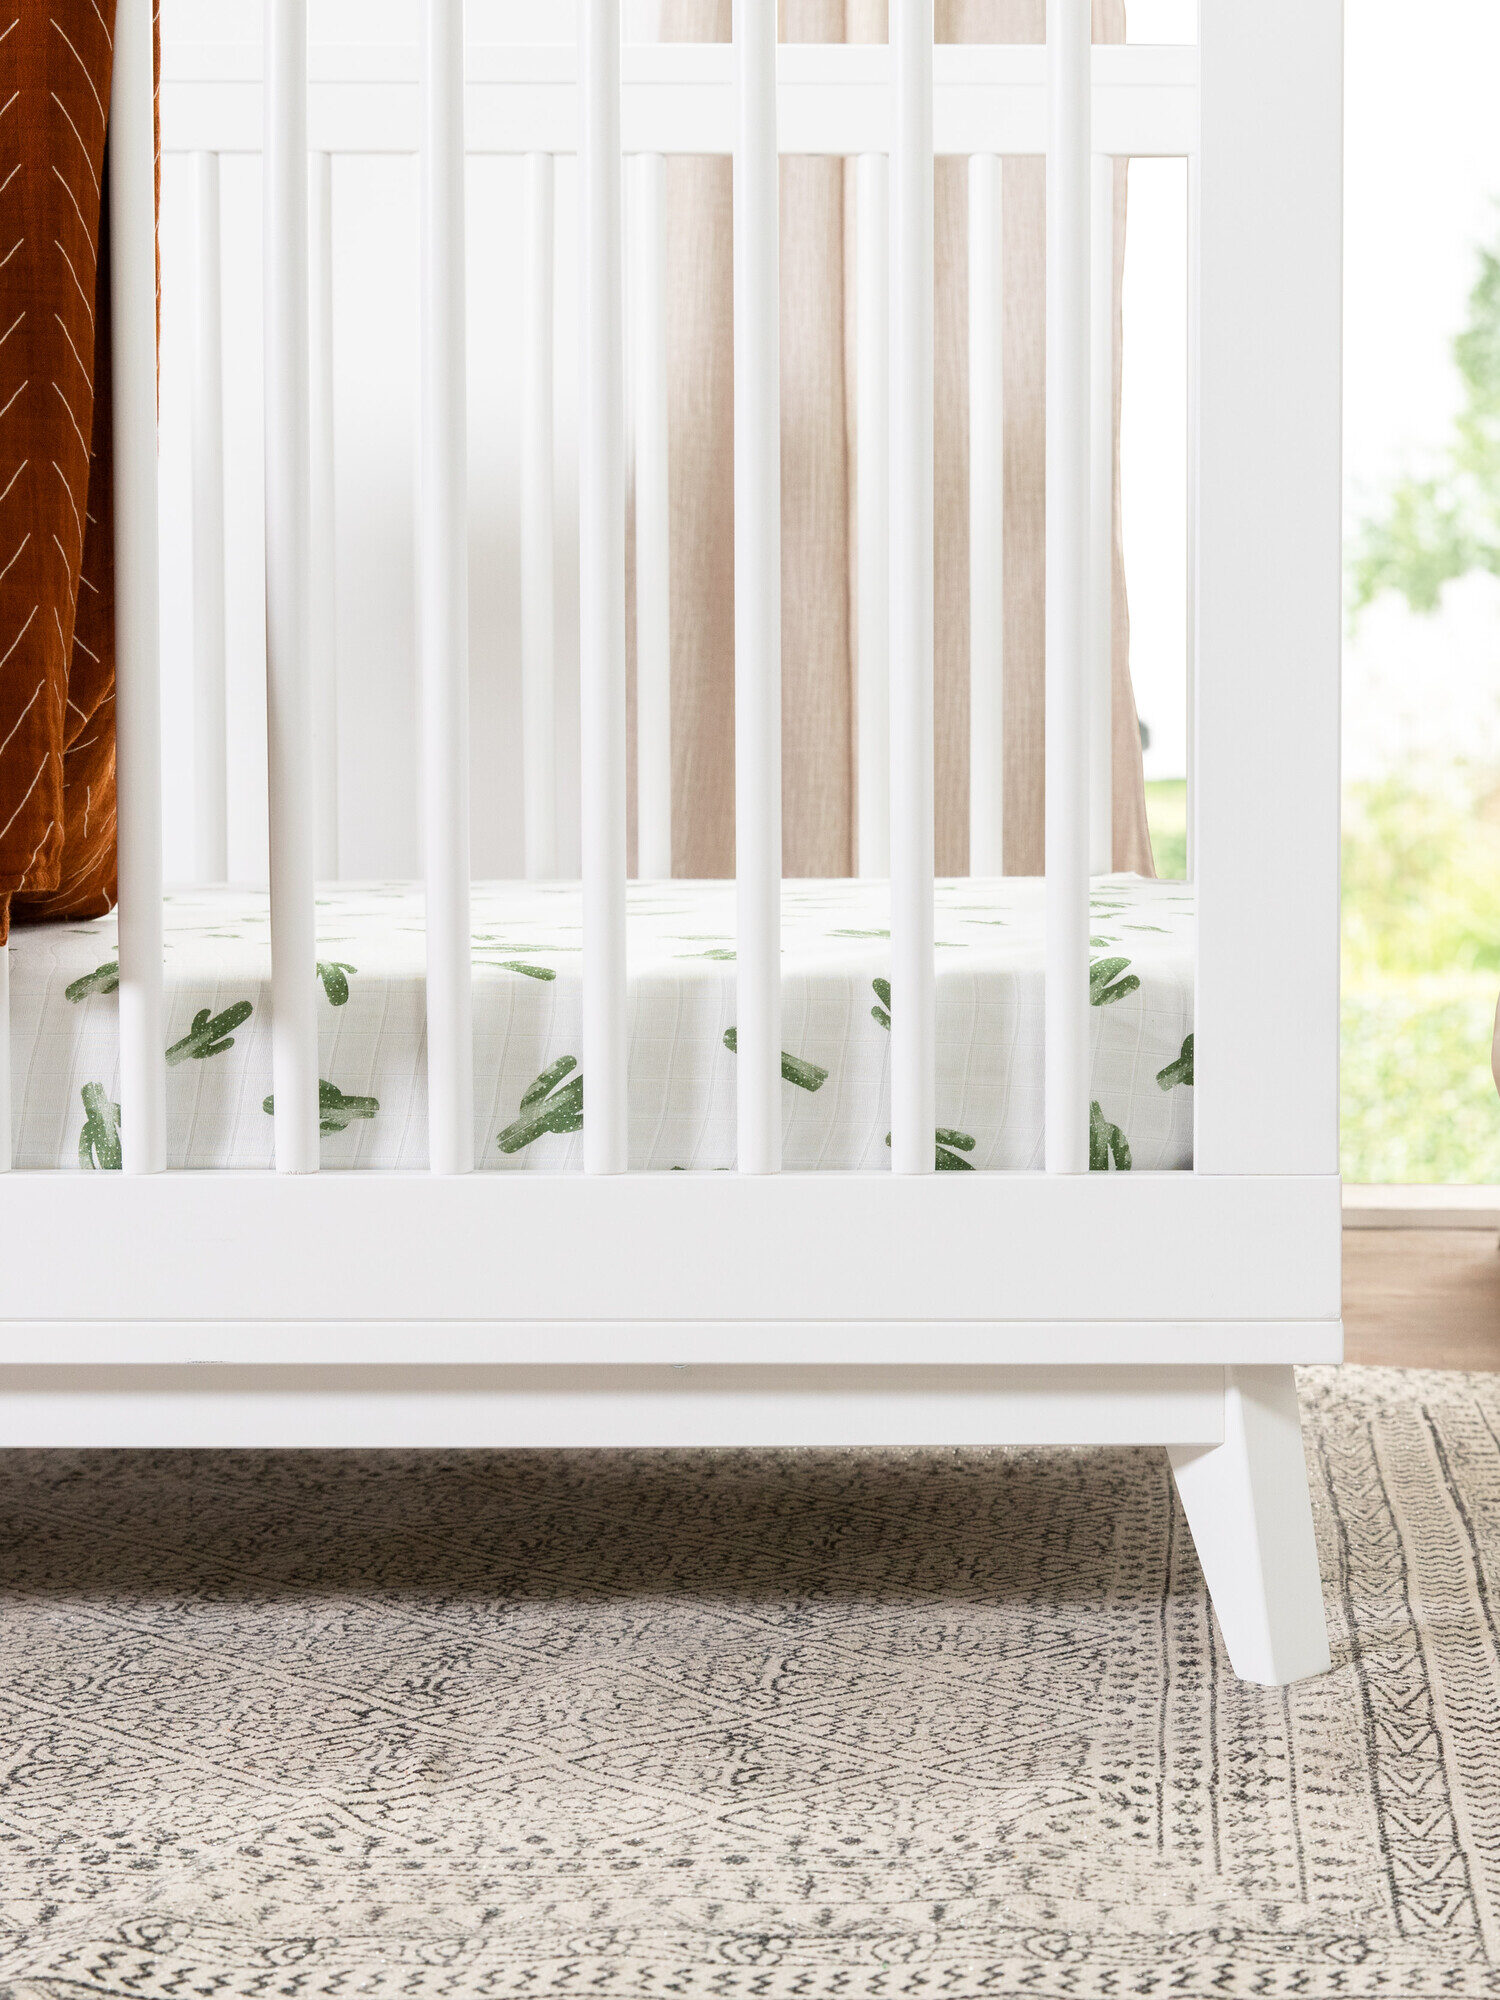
(143, 1118)
(1068, 473)
(601, 535)
(324, 622)
(757, 589)
(7, 1146)
(289, 709)
(538, 536)
(872, 369)
(1102, 521)
(1190, 553)
(444, 597)
(210, 745)
(986, 517)
(913, 986)
(653, 560)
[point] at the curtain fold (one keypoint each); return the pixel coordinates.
(818, 475)
(57, 743)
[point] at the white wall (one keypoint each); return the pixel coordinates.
(375, 357)
(375, 277)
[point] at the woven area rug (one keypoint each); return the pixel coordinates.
(776, 1724)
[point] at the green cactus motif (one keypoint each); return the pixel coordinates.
(530, 971)
(336, 1112)
(1179, 1072)
(210, 1037)
(105, 979)
(99, 1141)
(1105, 983)
(806, 1075)
(950, 1144)
(1106, 1143)
(947, 1160)
(334, 975)
(553, 1103)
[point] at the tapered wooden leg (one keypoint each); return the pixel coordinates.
(1247, 1504)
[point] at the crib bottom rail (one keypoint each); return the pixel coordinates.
(547, 1252)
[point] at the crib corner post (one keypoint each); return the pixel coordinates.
(1267, 588)
(1247, 1504)
(133, 308)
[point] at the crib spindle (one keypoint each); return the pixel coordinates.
(7, 1144)
(444, 597)
(913, 985)
(1194, 170)
(132, 206)
(986, 517)
(538, 536)
(601, 537)
(324, 611)
(757, 589)
(1069, 57)
(289, 711)
(210, 743)
(872, 367)
(1101, 634)
(653, 521)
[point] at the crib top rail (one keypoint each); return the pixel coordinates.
(679, 98)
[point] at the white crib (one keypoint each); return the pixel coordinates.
(611, 1307)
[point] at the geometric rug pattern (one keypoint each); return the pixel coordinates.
(946, 1724)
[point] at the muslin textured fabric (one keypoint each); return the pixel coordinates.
(57, 742)
(820, 642)
(531, 1093)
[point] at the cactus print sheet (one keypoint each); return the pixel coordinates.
(531, 1095)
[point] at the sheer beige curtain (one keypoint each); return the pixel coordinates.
(819, 638)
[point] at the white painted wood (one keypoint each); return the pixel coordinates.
(1068, 462)
(1268, 592)
(1101, 519)
(1194, 454)
(132, 209)
(775, 1246)
(653, 525)
(601, 527)
(1247, 1504)
(443, 532)
(210, 742)
(289, 705)
(679, 98)
(607, 1407)
(538, 530)
(872, 379)
(324, 546)
(671, 1343)
(913, 975)
(986, 516)
(757, 592)
(5, 1058)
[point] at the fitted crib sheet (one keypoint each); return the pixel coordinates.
(530, 1094)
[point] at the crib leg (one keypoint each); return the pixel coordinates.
(1247, 1504)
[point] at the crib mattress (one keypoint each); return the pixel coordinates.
(530, 1095)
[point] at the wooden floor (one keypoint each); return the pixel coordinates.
(1422, 1298)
